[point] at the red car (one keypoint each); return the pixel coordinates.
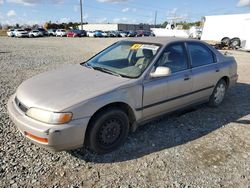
(76, 33)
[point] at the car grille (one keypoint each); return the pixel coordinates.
(20, 105)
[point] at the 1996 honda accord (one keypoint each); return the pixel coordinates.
(96, 103)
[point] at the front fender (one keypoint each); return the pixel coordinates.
(132, 96)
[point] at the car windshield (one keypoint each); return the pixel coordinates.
(125, 58)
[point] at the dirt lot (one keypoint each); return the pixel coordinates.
(201, 147)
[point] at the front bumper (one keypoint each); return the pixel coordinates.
(60, 137)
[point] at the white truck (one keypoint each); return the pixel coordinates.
(233, 30)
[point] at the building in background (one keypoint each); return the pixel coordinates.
(116, 27)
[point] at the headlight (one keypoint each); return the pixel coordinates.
(49, 117)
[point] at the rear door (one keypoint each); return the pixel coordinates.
(165, 94)
(205, 70)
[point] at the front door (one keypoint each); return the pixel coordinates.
(165, 94)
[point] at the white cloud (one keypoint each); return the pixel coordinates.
(173, 11)
(120, 20)
(124, 20)
(85, 16)
(102, 20)
(76, 8)
(1, 2)
(24, 2)
(11, 13)
(33, 2)
(64, 20)
(112, 1)
(126, 9)
(244, 3)
(129, 9)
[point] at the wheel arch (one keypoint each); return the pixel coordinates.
(226, 79)
(120, 105)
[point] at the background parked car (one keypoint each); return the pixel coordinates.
(52, 32)
(113, 34)
(61, 32)
(123, 33)
(35, 33)
(132, 34)
(43, 31)
(21, 33)
(10, 32)
(76, 33)
(99, 33)
(142, 33)
(90, 33)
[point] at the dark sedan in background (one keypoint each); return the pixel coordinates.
(76, 33)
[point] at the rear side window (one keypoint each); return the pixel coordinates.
(200, 55)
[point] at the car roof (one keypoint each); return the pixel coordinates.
(160, 40)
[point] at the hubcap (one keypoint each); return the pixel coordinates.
(220, 93)
(110, 132)
(235, 43)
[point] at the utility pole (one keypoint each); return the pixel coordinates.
(155, 18)
(81, 15)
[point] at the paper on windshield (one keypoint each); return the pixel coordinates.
(144, 46)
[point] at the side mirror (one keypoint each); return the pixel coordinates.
(161, 72)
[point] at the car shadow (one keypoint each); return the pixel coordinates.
(178, 128)
(5, 52)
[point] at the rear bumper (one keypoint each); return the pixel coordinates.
(59, 137)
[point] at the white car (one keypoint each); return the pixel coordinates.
(20, 33)
(10, 33)
(123, 34)
(61, 32)
(90, 33)
(35, 33)
(104, 34)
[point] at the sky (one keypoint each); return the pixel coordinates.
(114, 11)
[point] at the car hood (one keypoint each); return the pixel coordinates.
(61, 89)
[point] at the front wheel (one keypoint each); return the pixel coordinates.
(219, 93)
(107, 131)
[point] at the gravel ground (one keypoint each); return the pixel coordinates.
(201, 147)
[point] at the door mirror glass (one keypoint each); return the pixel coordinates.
(161, 72)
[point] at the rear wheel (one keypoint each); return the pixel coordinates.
(107, 131)
(218, 94)
(235, 43)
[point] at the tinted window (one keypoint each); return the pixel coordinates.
(174, 57)
(200, 55)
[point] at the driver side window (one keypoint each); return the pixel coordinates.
(174, 57)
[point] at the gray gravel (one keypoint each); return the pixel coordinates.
(201, 147)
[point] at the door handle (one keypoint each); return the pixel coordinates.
(186, 78)
(217, 70)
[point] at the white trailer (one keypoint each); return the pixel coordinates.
(234, 26)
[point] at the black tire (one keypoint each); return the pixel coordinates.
(235, 43)
(214, 100)
(107, 131)
(225, 41)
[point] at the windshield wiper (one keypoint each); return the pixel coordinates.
(88, 66)
(106, 70)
